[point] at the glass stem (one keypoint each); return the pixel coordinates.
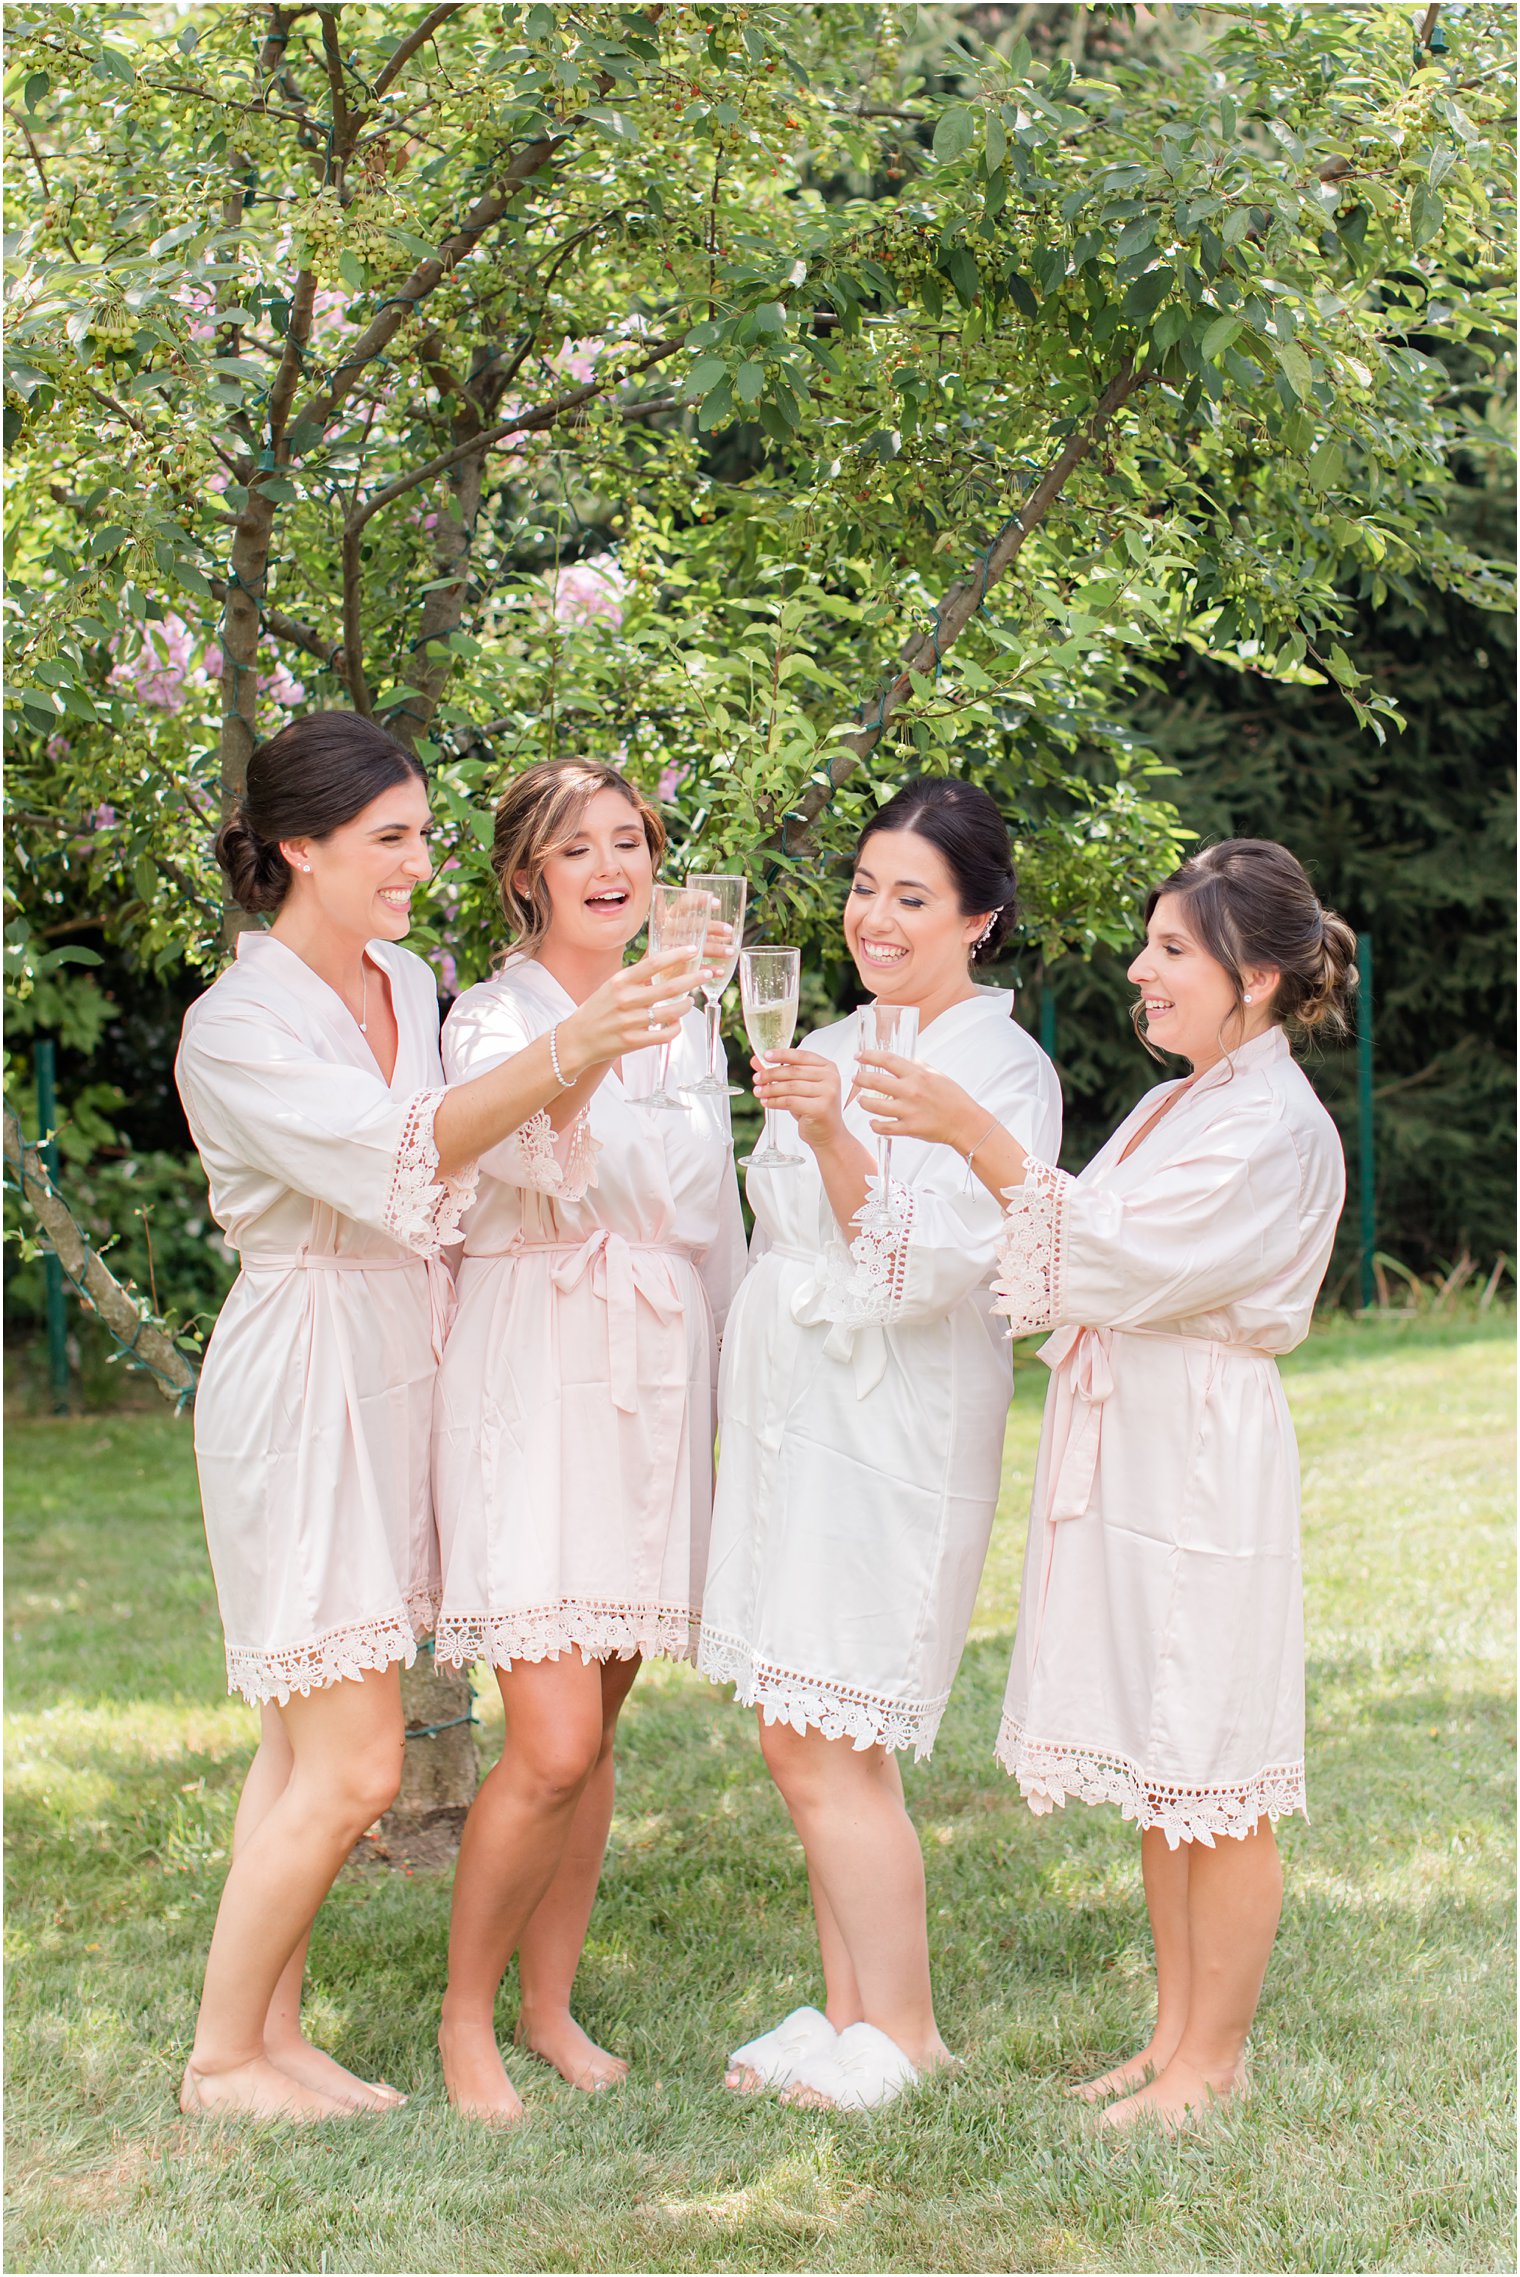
(885, 1163)
(714, 1007)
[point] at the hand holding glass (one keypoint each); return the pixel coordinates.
(678, 919)
(768, 986)
(724, 934)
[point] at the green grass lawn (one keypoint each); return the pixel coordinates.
(1380, 2134)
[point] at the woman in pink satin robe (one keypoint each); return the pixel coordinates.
(338, 1167)
(1159, 1661)
(573, 1464)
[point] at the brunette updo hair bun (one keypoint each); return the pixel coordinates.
(306, 782)
(963, 823)
(1250, 903)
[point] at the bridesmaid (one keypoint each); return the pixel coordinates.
(338, 1168)
(575, 1416)
(862, 1407)
(1159, 1661)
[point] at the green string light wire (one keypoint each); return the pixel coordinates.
(450, 1723)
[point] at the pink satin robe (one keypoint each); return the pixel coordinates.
(573, 1454)
(1159, 1660)
(314, 1411)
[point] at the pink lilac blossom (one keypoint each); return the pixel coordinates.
(671, 779)
(588, 590)
(448, 974)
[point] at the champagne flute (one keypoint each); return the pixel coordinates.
(768, 987)
(728, 896)
(887, 1028)
(678, 919)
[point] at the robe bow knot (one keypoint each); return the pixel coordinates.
(1085, 1354)
(621, 1273)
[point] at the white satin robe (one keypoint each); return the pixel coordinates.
(862, 1404)
(574, 1442)
(314, 1410)
(1159, 1660)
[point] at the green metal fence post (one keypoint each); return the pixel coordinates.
(52, 1271)
(1047, 1017)
(1367, 1163)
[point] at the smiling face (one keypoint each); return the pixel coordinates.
(599, 880)
(1188, 998)
(360, 879)
(903, 922)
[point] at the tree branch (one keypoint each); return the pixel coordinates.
(353, 624)
(332, 56)
(522, 422)
(126, 1316)
(402, 54)
(962, 601)
(292, 630)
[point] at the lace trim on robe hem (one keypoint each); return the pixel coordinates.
(1028, 1287)
(1050, 1770)
(422, 1209)
(866, 1281)
(352, 1651)
(598, 1631)
(839, 1711)
(542, 1168)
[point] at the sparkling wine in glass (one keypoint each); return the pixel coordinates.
(678, 919)
(887, 1028)
(768, 986)
(724, 935)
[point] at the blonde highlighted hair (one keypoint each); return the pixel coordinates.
(540, 811)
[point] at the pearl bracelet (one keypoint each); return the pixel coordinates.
(559, 1073)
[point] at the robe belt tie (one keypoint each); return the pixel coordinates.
(859, 1345)
(442, 1301)
(1086, 1356)
(620, 1272)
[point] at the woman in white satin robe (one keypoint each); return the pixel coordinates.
(338, 1166)
(1159, 1661)
(862, 1404)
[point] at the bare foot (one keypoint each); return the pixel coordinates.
(743, 2079)
(257, 2089)
(475, 2075)
(1125, 2077)
(559, 2040)
(313, 2067)
(1180, 2096)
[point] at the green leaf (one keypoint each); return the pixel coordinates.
(997, 141)
(1295, 367)
(36, 89)
(751, 381)
(705, 373)
(1221, 334)
(955, 132)
(963, 273)
(112, 64)
(1147, 293)
(1427, 213)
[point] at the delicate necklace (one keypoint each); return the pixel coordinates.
(364, 999)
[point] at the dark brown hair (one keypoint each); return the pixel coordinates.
(538, 811)
(1249, 902)
(306, 782)
(962, 822)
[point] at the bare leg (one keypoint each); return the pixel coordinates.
(862, 1852)
(842, 2003)
(1234, 1904)
(510, 1852)
(345, 1742)
(550, 1950)
(284, 2042)
(1166, 1898)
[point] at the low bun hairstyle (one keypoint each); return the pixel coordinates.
(539, 810)
(306, 782)
(1250, 902)
(962, 822)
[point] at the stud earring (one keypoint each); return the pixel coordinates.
(1247, 997)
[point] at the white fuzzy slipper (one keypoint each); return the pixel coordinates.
(862, 2071)
(776, 2058)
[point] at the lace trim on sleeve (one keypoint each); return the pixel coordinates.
(866, 1281)
(538, 1145)
(423, 1209)
(1028, 1286)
